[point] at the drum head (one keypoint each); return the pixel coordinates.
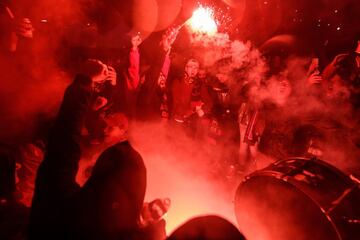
(270, 208)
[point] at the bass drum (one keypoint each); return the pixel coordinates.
(299, 198)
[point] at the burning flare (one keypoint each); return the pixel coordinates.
(202, 21)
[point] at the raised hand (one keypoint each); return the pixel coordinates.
(98, 71)
(24, 28)
(111, 75)
(314, 78)
(169, 38)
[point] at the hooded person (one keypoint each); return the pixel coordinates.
(109, 204)
(152, 101)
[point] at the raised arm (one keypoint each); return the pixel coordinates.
(56, 175)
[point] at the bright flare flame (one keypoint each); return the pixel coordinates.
(202, 21)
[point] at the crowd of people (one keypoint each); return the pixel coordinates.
(83, 179)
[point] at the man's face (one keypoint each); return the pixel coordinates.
(202, 73)
(117, 126)
(114, 134)
(222, 77)
(280, 90)
(192, 68)
(223, 74)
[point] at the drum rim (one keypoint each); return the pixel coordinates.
(314, 159)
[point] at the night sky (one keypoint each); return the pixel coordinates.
(321, 27)
(316, 21)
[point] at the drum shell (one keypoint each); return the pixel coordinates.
(298, 198)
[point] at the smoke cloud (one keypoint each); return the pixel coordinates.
(32, 82)
(186, 171)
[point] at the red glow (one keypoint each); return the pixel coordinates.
(182, 175)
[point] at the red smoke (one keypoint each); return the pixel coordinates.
(178, 168)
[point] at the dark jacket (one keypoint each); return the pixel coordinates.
(109, 204)
(150, 94)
